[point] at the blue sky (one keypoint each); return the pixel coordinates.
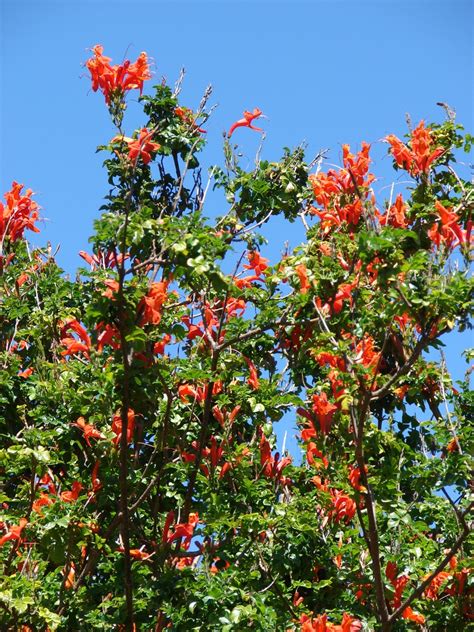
(324, 72)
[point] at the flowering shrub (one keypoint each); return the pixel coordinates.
(142, 488)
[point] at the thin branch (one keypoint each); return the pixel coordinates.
(424, 584)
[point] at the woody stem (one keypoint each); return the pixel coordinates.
(123, 457)
(372, 537)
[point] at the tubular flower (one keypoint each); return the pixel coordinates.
(73, 345)
(14, 533)
(117, 427)
(321, 624)
(324, 411)
(366, 355)
(48, 482)
(302, 273)
(341, 193)
(43, 501)
(183, 530)
(136, 554)
(313, 452)
(188, 118)
(246, 121)
(19, 213)
(73, 495)
(151, 304)
(418, 156)
(252, 380)
(141, 147)
(118, 79)
(447, 229)
(96, 484)
(256, 262)
(107, 335)
(69, 576)
(109, 259)
(354, 478)
(416, 617)
(89, 431)
(273, 466)
(396, 214)
(344, 508)
(26, 373)
(433, 589)
(159, 347)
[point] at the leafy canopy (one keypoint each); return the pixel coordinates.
(140, 483)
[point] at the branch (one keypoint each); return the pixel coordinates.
(371, 535)
(383, 390)
(424, 584)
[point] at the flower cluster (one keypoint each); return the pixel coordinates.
(19, 213)
(342, 193)
(419, 154)
(114, 81)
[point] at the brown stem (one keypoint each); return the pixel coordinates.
(425, 583)
(371, 534)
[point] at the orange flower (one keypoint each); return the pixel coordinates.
(318, 483)
(107, 335)
(324, 357)
(302, 273)
(183, 530)
(89, 431)
(354, 478)
(116, 80)
(73, 495)
(103, 259)
(321, 624)
(136, 554)
(324, 411)
(447, 229)
(49, 483)
(14, 533)
(141, 147)
(218, 565)
(188, 118)
(18, 214)
(309, 431)
(73, 345)
(96, 484)
(453, 445)
(312, 452)
(117, 427)
(151, 305)
(159, 347)
(416, 617)
(273, 466)
(256, 262)
(344, 508)
(112, 289)
(26, 373)
(246, 121)
(69, 576)
(43, 501)
(396, 214)
(365, 353)
(344, 293)
(252, 380)
(331, 190)
(419, 155)
(431, 592)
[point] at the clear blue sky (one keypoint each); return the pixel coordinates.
(324, 72)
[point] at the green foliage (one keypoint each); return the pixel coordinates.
(138, 401)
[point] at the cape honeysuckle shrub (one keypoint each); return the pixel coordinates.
(141, 488)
